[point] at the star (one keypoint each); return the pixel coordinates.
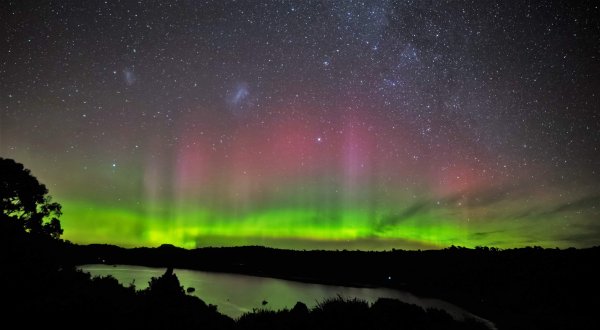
(314, 123)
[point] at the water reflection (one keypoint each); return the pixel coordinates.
(236, 294)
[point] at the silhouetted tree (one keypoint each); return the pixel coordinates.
(24, 202)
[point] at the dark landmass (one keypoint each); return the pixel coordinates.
(529, 288)
(526, 288)
(40, 287)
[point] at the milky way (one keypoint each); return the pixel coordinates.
(309, 124)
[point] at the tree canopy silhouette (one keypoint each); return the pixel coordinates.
(24, 202)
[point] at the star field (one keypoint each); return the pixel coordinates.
(309, 124)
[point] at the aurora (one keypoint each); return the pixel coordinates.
(309, 125)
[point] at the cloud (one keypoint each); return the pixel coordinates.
(397, 218)
(578, 205)
(582, 204)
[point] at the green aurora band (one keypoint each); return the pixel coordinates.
(337, 193)
(296, 229)
(309, 124)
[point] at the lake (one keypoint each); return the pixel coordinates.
(236, 294)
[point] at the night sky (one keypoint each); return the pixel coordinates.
(309, 124)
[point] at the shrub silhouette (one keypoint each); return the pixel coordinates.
(166, 286)
(164, 304)
(338, 313)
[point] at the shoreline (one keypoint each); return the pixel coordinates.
(457, 312)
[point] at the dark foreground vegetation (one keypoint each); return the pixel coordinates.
(529, 288)
(71, 298)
